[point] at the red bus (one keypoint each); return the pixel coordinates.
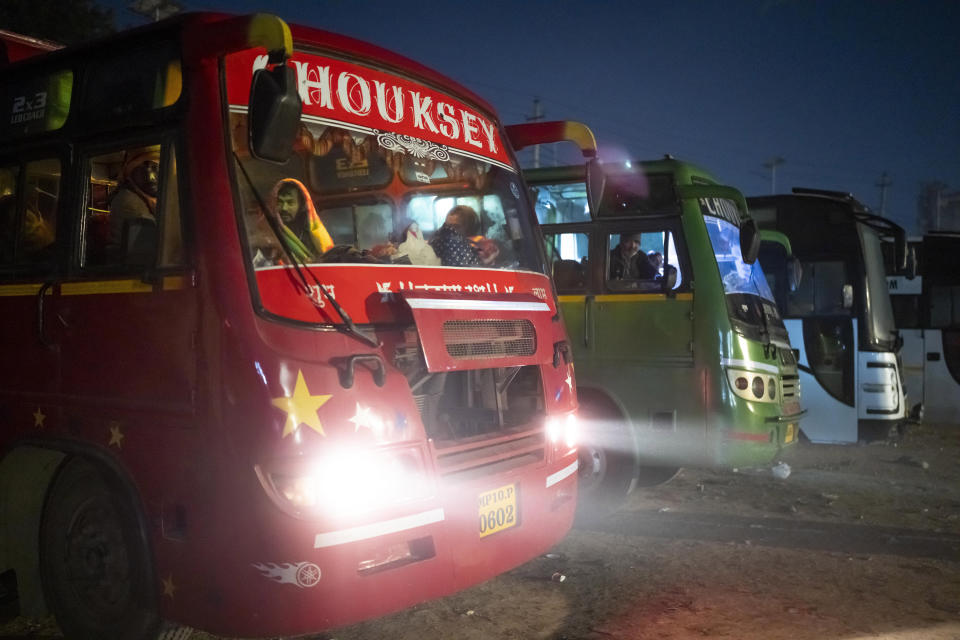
(278, 358)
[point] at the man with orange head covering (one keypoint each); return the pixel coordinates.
(303, 231)
(137, 196)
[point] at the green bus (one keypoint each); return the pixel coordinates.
(681, 356)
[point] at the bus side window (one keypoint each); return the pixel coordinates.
(8, 212)
(38, 228)
(643, 261)
(133, 204)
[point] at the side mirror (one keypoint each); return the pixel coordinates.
(847, 294)
(911, 263)
(274, 113)
(596, 182)
(900, 251)
(669, 278)
(749, 240)
(794, 273)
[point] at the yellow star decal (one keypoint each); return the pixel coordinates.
(301, 408)
(168, 586)
(38, 418)
(116, 436)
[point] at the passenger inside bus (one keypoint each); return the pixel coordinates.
(457, 243)
(136, 199)
(627, 262)
(412, 247)
(304, 233)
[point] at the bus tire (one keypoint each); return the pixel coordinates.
(94, 563)
(606, 461)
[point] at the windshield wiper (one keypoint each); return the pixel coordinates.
(313, 292)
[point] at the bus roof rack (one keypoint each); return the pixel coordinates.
(843, 195)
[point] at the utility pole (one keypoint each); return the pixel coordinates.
(155, 10)
(883, 183)
(772, 164)
(537, 115)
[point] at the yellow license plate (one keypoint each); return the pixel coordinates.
(498, 509)
(791, 433)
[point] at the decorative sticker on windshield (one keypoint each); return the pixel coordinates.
(405, 116)
(36, 105)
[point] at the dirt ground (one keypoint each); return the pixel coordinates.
(859, 541)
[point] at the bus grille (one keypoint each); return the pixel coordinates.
(788, 357)
(791, 388)
(483, 339)
(483, 457)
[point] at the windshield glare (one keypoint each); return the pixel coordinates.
(882, 324)
(349, 196)
(738, 277)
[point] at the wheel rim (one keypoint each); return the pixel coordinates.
(591, 465)
(96, 559)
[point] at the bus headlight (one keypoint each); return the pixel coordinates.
(565, 429)
(757, 387)
(351, 480)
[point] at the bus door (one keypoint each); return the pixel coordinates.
(129, 336)
(941, 349)
(29, 274)
(640, 325)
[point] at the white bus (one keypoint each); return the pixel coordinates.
(927, 313)
(839, 317)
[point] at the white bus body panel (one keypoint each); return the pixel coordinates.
(941, 392)
(878, 389)
(879, 394)
(828, 420)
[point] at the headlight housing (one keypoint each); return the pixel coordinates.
(348, 480)
(563, 430)
(753, 386)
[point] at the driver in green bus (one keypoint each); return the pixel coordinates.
(627, 262)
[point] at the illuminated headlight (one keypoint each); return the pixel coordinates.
(565, 429)
(752, 386)
(353, 480)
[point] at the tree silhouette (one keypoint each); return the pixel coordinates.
(66, 22)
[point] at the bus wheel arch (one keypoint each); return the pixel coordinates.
(607, 453)
(26, 472)
(94, 557)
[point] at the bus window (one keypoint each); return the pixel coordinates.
(129, 197)
(8, 211)
(568, 252)
(636, 261)
(558, 203)
(39, 226)
(820, 291)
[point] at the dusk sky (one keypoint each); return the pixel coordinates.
(842, 91)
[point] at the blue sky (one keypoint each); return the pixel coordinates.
(842, 91)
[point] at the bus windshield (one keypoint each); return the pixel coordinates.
(882, 326)
(385, 172)
(749, 299)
